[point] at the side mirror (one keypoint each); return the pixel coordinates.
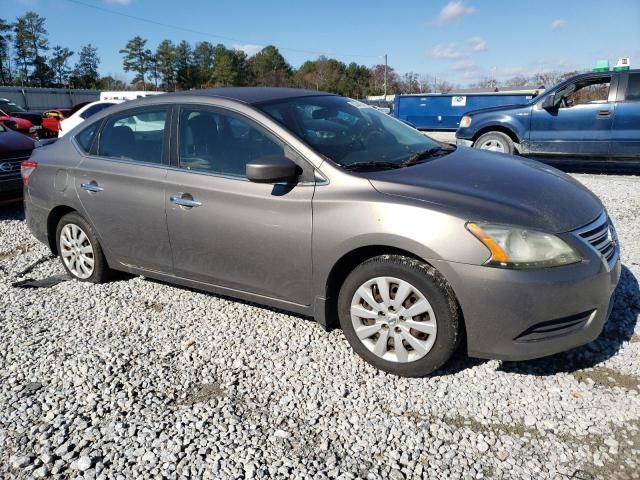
(11, 124)
(272, 168)
(549, 102)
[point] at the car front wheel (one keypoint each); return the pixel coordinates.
(80, 250)
(495, 142)
(400, 315)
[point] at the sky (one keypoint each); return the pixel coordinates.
(461, 41)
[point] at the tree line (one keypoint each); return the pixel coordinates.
(27, 59)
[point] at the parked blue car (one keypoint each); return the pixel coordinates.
(591, 117)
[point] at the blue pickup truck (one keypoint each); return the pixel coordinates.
(592, 117)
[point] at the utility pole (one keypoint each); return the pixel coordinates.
(385, 77)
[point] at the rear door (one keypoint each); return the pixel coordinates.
(625, 135)
(581, 125)
(237, 234)
(121, 187)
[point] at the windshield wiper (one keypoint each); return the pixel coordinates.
(371, 165)
(425, 154)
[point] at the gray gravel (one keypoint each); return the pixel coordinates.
(137, 379)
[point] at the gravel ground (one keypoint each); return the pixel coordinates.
(138, 379)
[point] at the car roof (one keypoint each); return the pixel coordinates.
(249, 95)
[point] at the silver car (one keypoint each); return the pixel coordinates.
(321, 205)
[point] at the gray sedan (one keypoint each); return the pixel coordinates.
(323, 206)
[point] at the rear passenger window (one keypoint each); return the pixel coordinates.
(86, 136)
(633, 88)
(135, 136)
(220, 143)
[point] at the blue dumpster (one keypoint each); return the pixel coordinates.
(443, 111)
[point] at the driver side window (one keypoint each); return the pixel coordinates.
(215, 142)
(218, 142)
(592, 92)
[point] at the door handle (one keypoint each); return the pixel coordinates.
(604, 114)
(91, 187)
(184, 200)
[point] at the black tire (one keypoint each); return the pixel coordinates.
(498, 138)
(432, 286)
(101, 272)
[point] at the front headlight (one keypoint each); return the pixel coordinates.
(513, 247)
(465, 121)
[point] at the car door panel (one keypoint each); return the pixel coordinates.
(625, 134)
(228, 231)
(128, 211)
(243, 235)
(582, 131)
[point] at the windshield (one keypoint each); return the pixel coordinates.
(10, 107)
(349, 132)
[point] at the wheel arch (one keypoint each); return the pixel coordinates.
(496, 128)
(52, 223)
(345, 265)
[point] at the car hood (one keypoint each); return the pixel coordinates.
(479, 185)
(14, 141)
(499, 108)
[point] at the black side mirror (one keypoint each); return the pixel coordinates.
(11, 124)
(272, 168)
(549, 102)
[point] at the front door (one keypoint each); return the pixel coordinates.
(226, 230)
(580, 126)
(122, 186)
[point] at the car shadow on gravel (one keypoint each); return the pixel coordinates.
(618, 330)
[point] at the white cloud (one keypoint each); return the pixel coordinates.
(454, 9)
(558, 23)
(452, 51)
(513, 71)
(449, 51)
(250, 49)
(122, 3)
(464, 66)
(478, 44)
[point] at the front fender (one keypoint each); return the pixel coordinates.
(398, 223)
(517, 122)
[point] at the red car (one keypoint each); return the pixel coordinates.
(51, 122)
(14, 148)
(11, 109)
(21, 125)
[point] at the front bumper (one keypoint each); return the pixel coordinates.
(10, 187)
(521, 315)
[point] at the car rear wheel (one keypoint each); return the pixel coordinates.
(80, 250)
(495, 142)
(400, 315)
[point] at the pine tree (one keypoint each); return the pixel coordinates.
(59, 66)
(136, 59)
(85, 72)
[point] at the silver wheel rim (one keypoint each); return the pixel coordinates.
(76, 251)
(493, 145)
(393, 319)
